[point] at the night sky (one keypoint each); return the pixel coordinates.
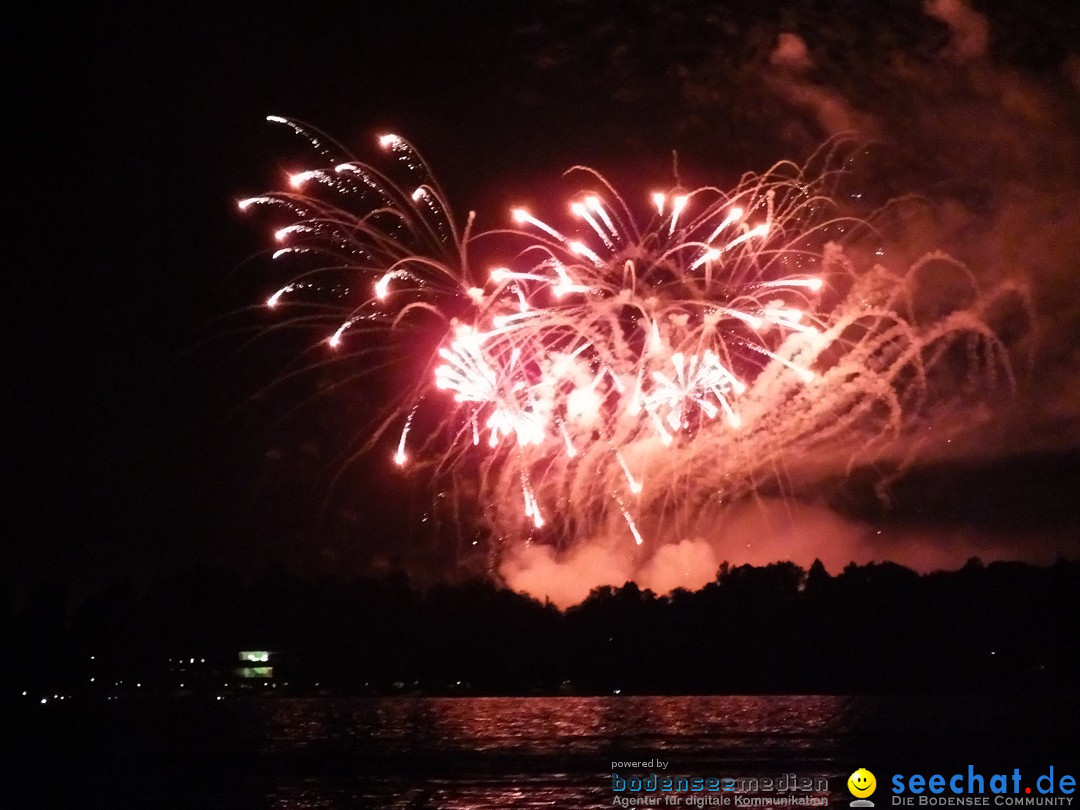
(141, 443)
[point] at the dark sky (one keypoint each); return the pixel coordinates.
(138, 444)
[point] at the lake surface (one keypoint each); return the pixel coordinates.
(451, 753)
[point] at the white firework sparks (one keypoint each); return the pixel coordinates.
(612, 371)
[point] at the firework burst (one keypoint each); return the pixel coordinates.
(615, 370)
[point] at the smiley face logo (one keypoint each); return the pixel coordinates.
(861, 783)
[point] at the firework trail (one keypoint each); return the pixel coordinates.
(613, 371)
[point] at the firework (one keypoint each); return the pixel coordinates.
(619, 365)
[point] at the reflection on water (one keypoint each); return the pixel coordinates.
(558, 752)
(538, 752)
(540, 727)
(451, 753)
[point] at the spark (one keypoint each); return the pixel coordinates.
(582, 210)
(298, 179)
(571, 451)
(277, 254)
(581, 249)
(594, 203)
(281, 234)
(638, 539)
(273, 300)
(760, 230)
(335, 339)
(678, 203)
(734, 215)
(707, 256)
(382, 286)
(633, 527)
(714, 253)
(522, 216)
(633, 483)
(400, 457)
(812, 284)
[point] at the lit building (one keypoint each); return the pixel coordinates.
(256, 665)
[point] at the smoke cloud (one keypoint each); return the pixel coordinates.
(759, 532)
(994, 151)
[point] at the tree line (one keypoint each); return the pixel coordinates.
(772, 629)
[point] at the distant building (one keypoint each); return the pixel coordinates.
(256, 665)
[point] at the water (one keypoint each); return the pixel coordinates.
(456, 753)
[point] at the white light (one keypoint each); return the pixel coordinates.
(582, 249)
(382, 287)
(297, 180)
(708, 256)
(677, 204)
